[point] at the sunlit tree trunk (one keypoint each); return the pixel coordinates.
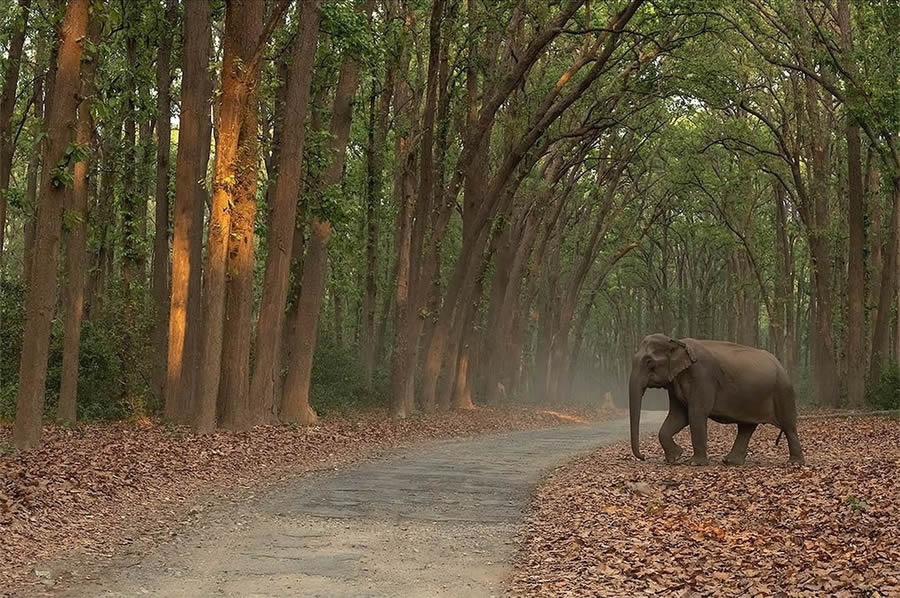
(190, 172)
(41, 291)
(240, 72)
(160, 273)
(233, 404)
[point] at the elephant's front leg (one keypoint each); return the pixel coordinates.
(697, 414)
(675, 421)
(738, 453)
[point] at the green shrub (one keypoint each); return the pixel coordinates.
(337, 380)
(884, 393)
(12, 317)
(101, 372)
(100, 375)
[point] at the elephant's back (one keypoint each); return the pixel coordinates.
(745, 367)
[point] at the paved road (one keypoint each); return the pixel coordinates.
(433, 522)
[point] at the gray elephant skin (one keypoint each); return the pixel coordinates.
(721, 381)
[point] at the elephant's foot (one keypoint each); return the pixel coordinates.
(797, 460)
(674, 455)
(734, 459)
(699, 460)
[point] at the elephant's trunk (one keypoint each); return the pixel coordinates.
(636, 387)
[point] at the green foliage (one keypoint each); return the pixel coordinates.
(100, 373)
(856, 504)
(102, 366)
(884, 393)
(337, 382)
(12, 317)
(348, 28)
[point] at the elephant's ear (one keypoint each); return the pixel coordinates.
(681, 356)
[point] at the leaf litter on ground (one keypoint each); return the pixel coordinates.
(93, 488)
(608, 525)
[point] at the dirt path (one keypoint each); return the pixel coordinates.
(432, 522)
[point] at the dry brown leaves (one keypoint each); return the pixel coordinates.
(608, 525)
(95, 487)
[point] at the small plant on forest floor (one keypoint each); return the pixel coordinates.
(7, 450)
(857, 504)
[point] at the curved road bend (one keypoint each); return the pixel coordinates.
(437, 521)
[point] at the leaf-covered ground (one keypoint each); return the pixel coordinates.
(608, 525)
(98, 487)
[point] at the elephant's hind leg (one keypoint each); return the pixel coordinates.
(738, 453)
(674, 423)
(794, 445)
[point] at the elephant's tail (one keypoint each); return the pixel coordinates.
(780, 434)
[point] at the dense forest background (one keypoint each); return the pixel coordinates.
(227, 213)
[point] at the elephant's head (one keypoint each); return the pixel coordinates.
(657, 361)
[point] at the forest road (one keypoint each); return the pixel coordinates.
(438, 521)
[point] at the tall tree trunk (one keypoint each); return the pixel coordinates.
(377, 133)
(105, 219)
(280, 236)
(240, 72)
(856, 284)
(295, 406)
(31, 180)
(75, 237)
(7, 106)
(190, 172)
(881, 335)
(400, 355)
(132, 238)
(295, 399)
(41, 290)
(233, 404)
(783, 323)
(160, 274)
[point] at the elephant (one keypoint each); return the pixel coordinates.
(722, 381)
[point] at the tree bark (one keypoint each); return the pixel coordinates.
(132, 233)
(31, 179)
(190, 172)
(7, 107)
(784, 304)
(160, 273)
(295, 399)
(295, 406)
(233, 404)
(41, 290)
(400, 355)
(856, 287)
(881, 335)
(378, 120)
(75, 237)
(240, 72)
(280, 236)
